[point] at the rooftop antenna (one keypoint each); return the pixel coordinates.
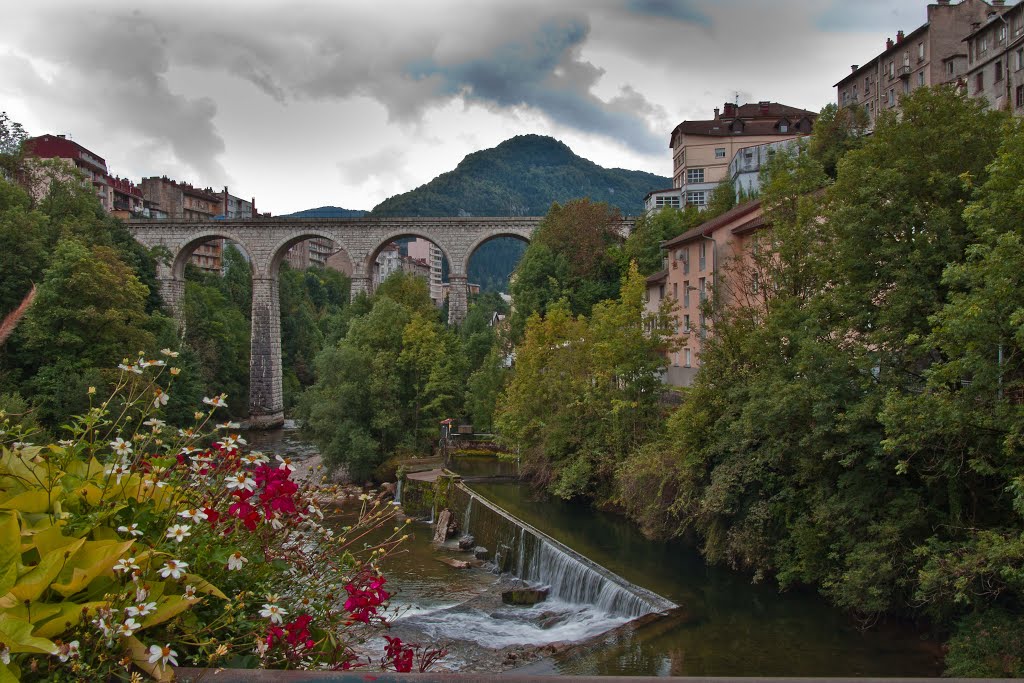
(737, 100)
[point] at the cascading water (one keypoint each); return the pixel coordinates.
(535, 557)
(398, 492)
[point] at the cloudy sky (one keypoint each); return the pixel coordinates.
(310, 103)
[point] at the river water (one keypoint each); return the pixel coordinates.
(725, 626)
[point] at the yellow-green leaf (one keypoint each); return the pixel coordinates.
(17, 635)
(32, 584)
(9, 673)
(35, 500)
(93, 559)
(66, 613)
(167, 609)
(140, 655)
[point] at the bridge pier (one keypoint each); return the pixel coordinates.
(266, 393)
(458, 298)
(359, 284)
(172, 292)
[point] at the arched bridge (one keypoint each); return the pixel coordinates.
(266, 241)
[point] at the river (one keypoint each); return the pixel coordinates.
(726, 626)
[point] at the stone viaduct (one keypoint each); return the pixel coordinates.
(266, 241)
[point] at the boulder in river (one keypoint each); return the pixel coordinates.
(481, 553)
(452, 562)
(466, 542)
(524, 596)
(441, 530)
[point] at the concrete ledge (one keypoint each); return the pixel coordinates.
(270, 421)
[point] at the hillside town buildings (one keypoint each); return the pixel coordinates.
(995, 58)
(934, 53)
(703, 150)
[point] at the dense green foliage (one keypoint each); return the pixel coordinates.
(522, 177)
(394, 372)
(857, 426)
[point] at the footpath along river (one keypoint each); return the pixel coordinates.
(725, 625)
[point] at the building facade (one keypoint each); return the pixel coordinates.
(932, 54)
(995, 59)
(696, 261)
(182, 200)
(702, 150)
(659, 199)
(745, 167)
(426, 251)
(74, 156)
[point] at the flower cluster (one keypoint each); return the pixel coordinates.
(365, 595)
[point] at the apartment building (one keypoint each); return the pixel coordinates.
(180, 200)
(995, 58)
(127, 199)
(694, 267)
(429, 253)
(656, 200)
(745, 167)
(74, 156)
(931, 54)
(702, 150)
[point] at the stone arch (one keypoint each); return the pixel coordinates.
(184, 252)
(497, 234)
(388, 238)
(278, 252)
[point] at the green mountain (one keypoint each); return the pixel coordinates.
(327, 212)
(522, 177)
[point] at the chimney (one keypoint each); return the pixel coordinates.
(763, 106)
(717, 112)
(854, 67)
(730, 110)
(899, 37)
(889, 43)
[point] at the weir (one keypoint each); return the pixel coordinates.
(533, 556)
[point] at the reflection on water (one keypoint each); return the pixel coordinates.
(726, 627)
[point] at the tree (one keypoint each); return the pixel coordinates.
(837, 130)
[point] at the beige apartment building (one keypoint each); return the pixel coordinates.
(995, 59)
(702, 150)
(695, 263)
(932, 54)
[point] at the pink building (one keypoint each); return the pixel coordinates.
(695, 267)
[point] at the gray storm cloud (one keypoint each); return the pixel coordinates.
(501, 59)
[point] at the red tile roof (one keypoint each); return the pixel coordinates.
(713, 224)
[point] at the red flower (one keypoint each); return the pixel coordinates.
(365, 595)
(399, 655)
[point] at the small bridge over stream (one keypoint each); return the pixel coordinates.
(265, 241)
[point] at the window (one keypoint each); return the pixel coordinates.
(1002, 33)
(892, 97)
(719, 152)
(950, 68)
(892, 70)
(906, 58)
(675, 291)
(979, 82)
(920, 78)
(675, 359)
(983, 47)
(1019, 63)
(783, 127)
(702, 252)
(685, 254)
(666, 200)
(661, 292)
(755, 283)
(686, 324)
(702, 291)
(867, 85)
(696, 198)
(846, 98)
(906, 87)
(686, 358)
(920, 52)
(686, 294)
(695, 175)
(999, 71)
(1020, 96)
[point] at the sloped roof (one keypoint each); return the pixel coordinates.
(713, 224)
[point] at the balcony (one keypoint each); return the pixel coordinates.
(903, 71)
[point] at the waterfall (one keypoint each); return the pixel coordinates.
(398, 492)
(537, 558)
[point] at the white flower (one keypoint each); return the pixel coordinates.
(163, 655)
(141, 609)
(217, 401)
(286, 463)
(241, 480)
(178, 532)
(275, 521)
(124, 564)
(152, 363)
(255, 458)
(363, 496)
(119, 469)
(141, 593)
(169, 353)
(121, 447)
(173, 569)
(314, 510)
(5, 654)
(66, 651)
(133, 529)
(129, 627)
(132, 368)
(155, 423)
(236, 561)
(229, 425)
(160, 399)
(273, 612)
(195, 514)
(66, 443)
(190, 592)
